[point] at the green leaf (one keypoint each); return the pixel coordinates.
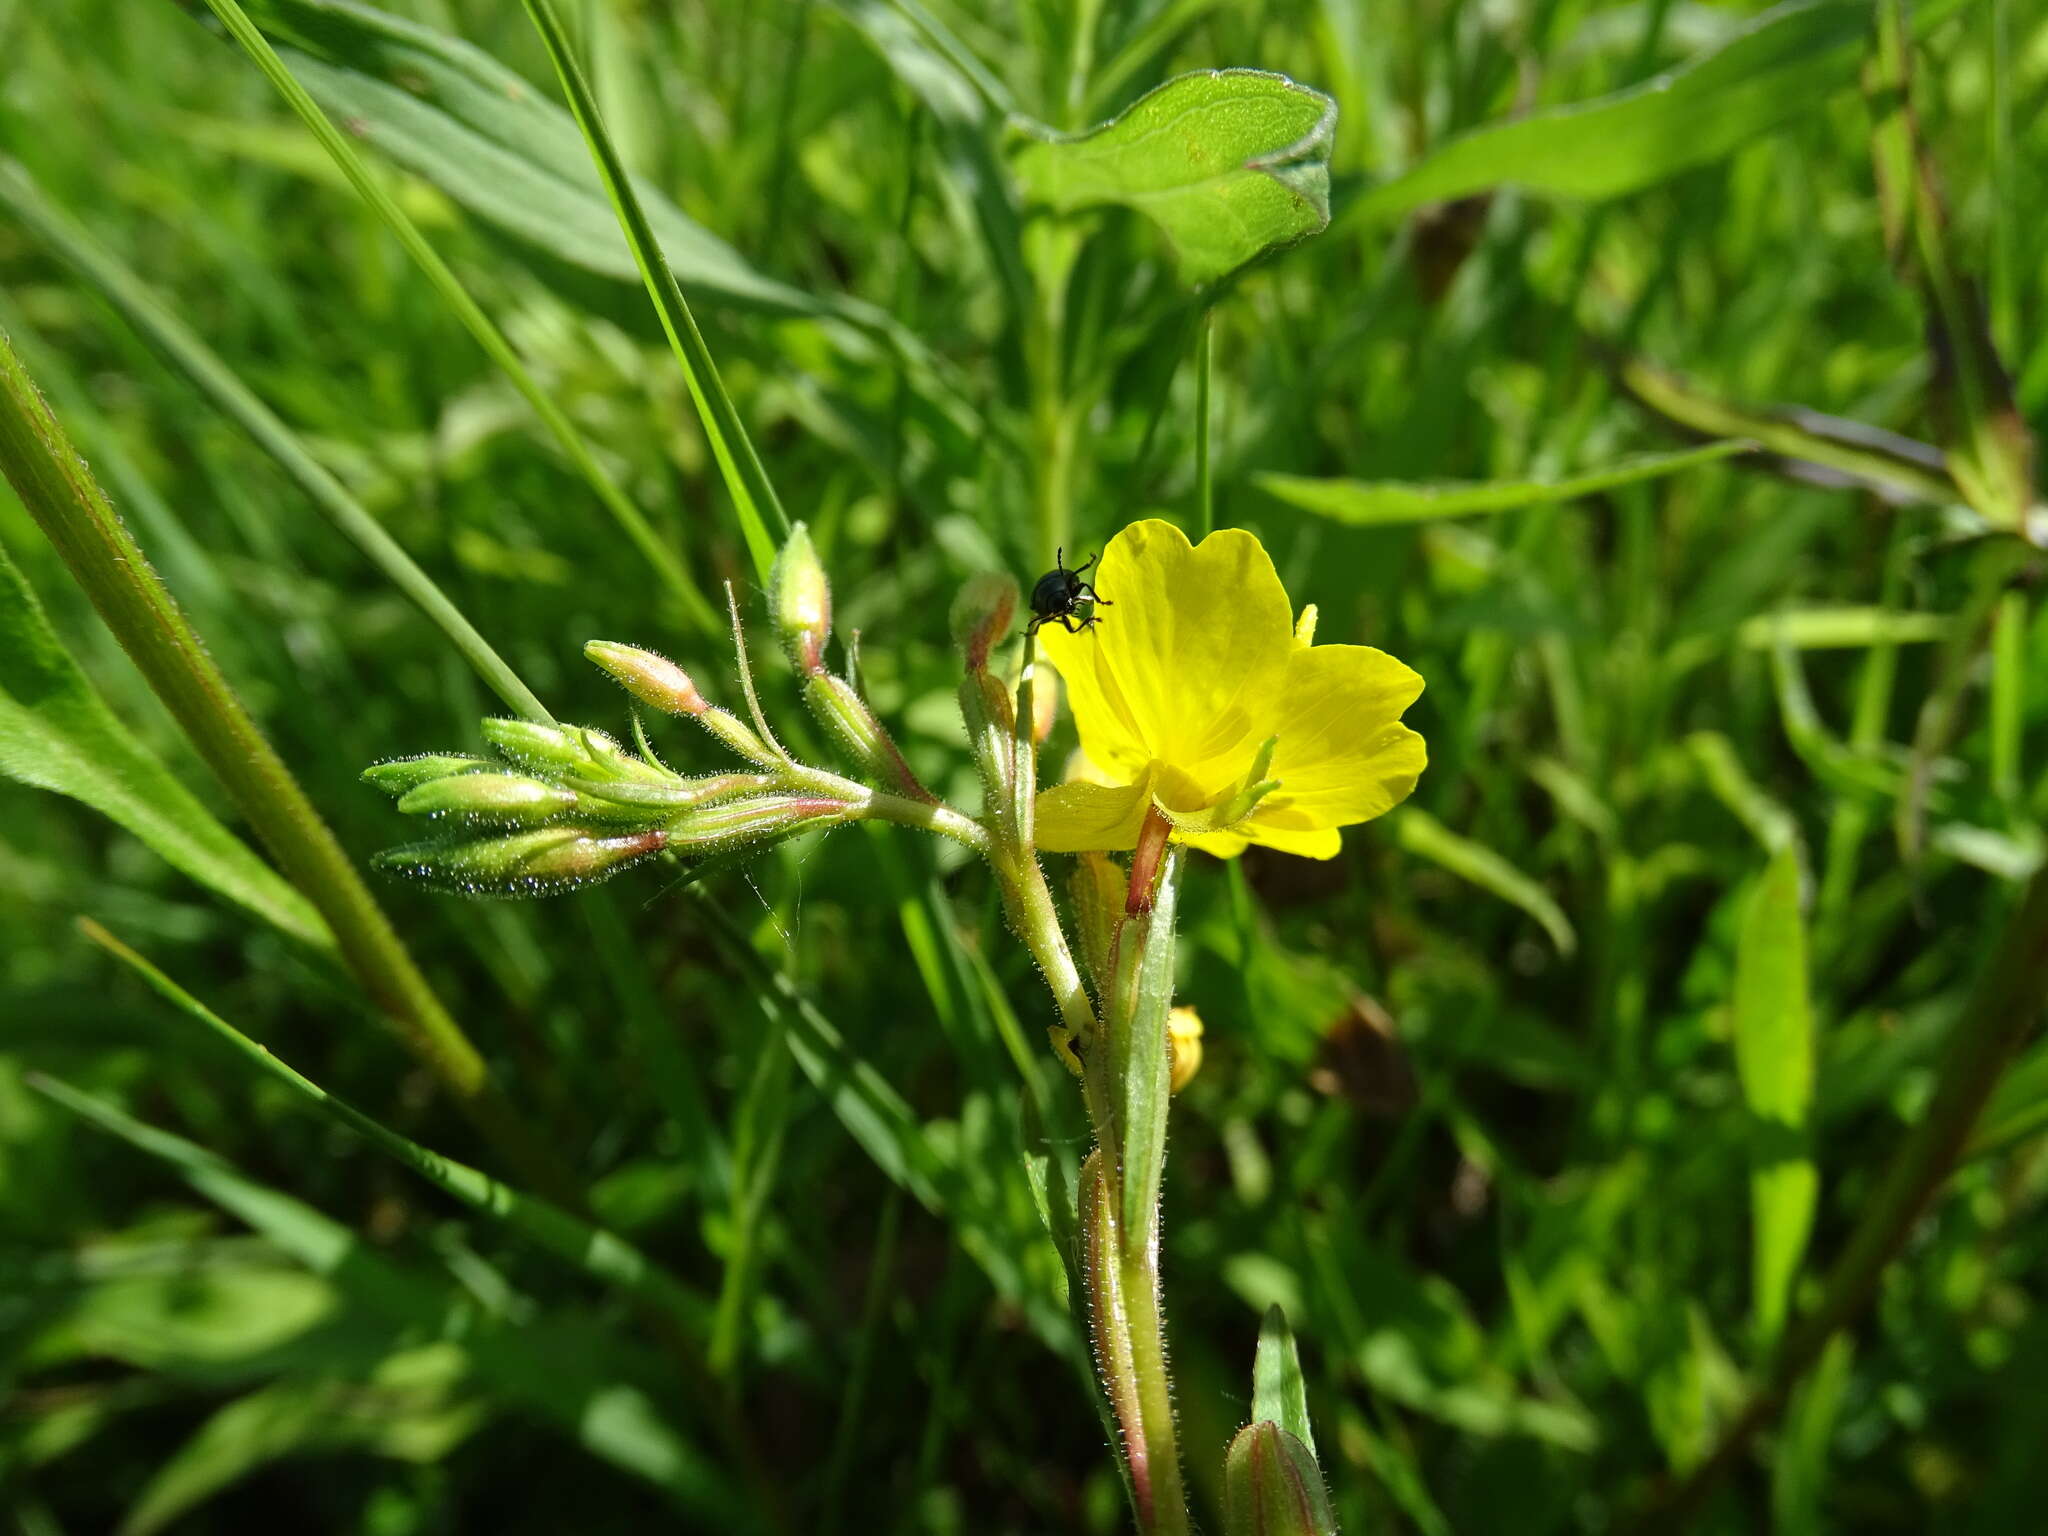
(1141, 1063)
(1774, 1054)
(1374, 502)
(488, 138)
(1424, 836)
(1782, 65)
(1278, 1392)
(58, 734)
(1230, 163)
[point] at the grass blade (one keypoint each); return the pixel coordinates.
(1805, 444)
(1423, 835)
(631, 520)
(1373, 503)
(155, 322)
(745, 479)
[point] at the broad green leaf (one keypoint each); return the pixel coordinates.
(1424, 836)
(1373, 502)
(1783, 64)
(1278, 1392)
(492, 141)
(1774, 1056)
(58, 734)
(1230, 163)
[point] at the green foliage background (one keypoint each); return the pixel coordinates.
(1472, 1111)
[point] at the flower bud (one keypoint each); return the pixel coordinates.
(733, 824)
(982, 616)
(991, 719)
(497, 797)
(801, 597)
(846, 715)
(1184, 1035)
(1273, 1487)
(538, 863)
(738, 736)
(654, 680)
(541, 747)
(401, 774)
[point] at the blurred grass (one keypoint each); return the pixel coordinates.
(1501, 1185)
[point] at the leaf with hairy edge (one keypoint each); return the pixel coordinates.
(1230, 163)
(1774, 1051)
(1374, 502)
(1278, 1392)
(58, 734)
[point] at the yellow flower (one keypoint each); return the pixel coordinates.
(1196, 671)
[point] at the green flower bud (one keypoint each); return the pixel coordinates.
(982, 616)
(542, 747)
(734, 824)
(654, 680)
(801, 597)
(739, 736)
(1272, 1486)
(991, 718)
(497, 797)
(405, 773)
(847, 716)
(538, 863)
(561, 751)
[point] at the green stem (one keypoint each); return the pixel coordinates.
(60, 493)
(630, 519)
(1205, 496)
(191, 356)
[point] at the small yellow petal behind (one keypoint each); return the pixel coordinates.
(1080, 817)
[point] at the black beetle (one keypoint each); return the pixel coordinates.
(1060, 593)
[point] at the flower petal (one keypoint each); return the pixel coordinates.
(1189, 662)
(1080, 817)
(1344, 756)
